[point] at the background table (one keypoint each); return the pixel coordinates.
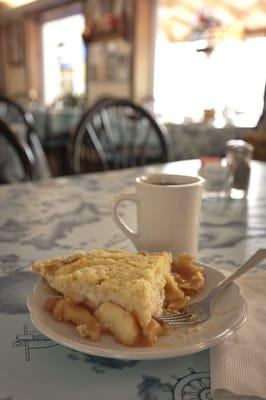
(58, 216)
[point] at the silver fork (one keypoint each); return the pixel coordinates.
(201, 311)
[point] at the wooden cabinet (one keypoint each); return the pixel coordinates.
(119, 44)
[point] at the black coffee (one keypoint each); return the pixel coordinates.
(168, 180)
(166, 183)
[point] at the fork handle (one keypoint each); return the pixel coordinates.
(250, 263)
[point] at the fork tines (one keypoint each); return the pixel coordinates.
(174, 318)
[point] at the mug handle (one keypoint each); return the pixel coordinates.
(132, 235)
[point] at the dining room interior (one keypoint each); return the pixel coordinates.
(132, 199)
(197, 67)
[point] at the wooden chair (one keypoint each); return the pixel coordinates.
(16, 158)
(257, 136)
(258, 141)
(21, 122)
(117, 133)
(261, 125)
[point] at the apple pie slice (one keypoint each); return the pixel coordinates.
(112, 291)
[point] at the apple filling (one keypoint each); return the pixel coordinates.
(118, 293)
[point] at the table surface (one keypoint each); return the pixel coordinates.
(58, 216)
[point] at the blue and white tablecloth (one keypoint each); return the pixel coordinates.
(59, 216)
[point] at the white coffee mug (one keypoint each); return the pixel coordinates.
(168, 212)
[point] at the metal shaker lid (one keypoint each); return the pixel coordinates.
(239, 146)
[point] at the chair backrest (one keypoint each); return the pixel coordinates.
(16, 158)
(118, 133)
(21, 122)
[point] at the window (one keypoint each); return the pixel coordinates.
(63, 57)
(227, 79)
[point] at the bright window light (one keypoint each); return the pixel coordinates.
(229, 80)
(64, 57)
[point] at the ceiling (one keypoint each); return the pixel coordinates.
(14, 8)
(180, 19)
(13, 3)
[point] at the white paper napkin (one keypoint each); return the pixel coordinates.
(238, 366)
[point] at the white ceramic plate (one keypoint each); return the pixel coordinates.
(229, 313)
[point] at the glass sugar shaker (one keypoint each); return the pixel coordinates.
(238, 156)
